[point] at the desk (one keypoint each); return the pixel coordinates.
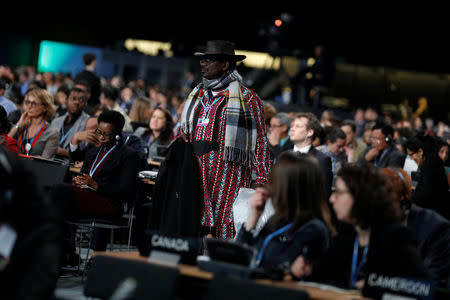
(194, 272)
(186, 270)
(154, 163)
(74, 169)
(148, 181)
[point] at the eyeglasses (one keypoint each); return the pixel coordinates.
(103, 134)
(207, 60)
(76, 99)
(31, 103)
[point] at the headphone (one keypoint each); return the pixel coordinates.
(405, 203)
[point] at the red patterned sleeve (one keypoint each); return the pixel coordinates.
(262, 163)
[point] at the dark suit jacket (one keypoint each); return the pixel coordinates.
(325, 165)
(432, 233)
(117, 177)
(432, 190)
(392, 252)
(392, 158)
(310, 239)
(275, 151)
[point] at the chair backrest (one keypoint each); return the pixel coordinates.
(232, 288)
(107, 275)
(46, 172)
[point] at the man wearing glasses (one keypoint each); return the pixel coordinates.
(383, 152)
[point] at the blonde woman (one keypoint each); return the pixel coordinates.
(140, 112)
(33, 133)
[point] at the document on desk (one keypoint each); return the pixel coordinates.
(327, 287)
(148, 174)
(8, 237)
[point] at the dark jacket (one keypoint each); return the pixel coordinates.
(392, 158)
(178, 195)
(33, 269)
(325, 167)
(117, 177)
(310, 239)
(432, 190)
(276, 150)
(432, 234)
(392, 252)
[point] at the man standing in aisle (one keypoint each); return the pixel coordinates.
(87, 75)
(224, 121)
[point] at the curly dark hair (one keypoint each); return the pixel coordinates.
(375, 199)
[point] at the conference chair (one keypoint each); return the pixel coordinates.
(85, 231)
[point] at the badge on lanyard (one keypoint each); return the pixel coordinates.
(203, 122)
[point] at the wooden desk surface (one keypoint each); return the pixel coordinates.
(193, 271)
(187, 270)
(74, 169)
(148, 181)
(153, 163)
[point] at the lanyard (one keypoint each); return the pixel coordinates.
(64, 136)
(267, 240)
(34, 140)
(356, 268)
(95, 166)
(208, 108)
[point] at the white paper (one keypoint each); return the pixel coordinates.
(8, 237)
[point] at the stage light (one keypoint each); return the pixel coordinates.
(278, 22)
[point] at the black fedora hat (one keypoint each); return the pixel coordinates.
(220, 48)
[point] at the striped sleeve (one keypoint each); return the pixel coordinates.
(262, 163)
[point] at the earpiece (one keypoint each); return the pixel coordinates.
(117, 137)
(309, 134)
(388, 139)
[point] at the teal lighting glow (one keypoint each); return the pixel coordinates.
(64, 57)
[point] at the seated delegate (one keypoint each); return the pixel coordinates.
(375, 243)
(431, 230)
(108, 177)
(301, 224)
(34, 134)
(73, 121)
(159, 132)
